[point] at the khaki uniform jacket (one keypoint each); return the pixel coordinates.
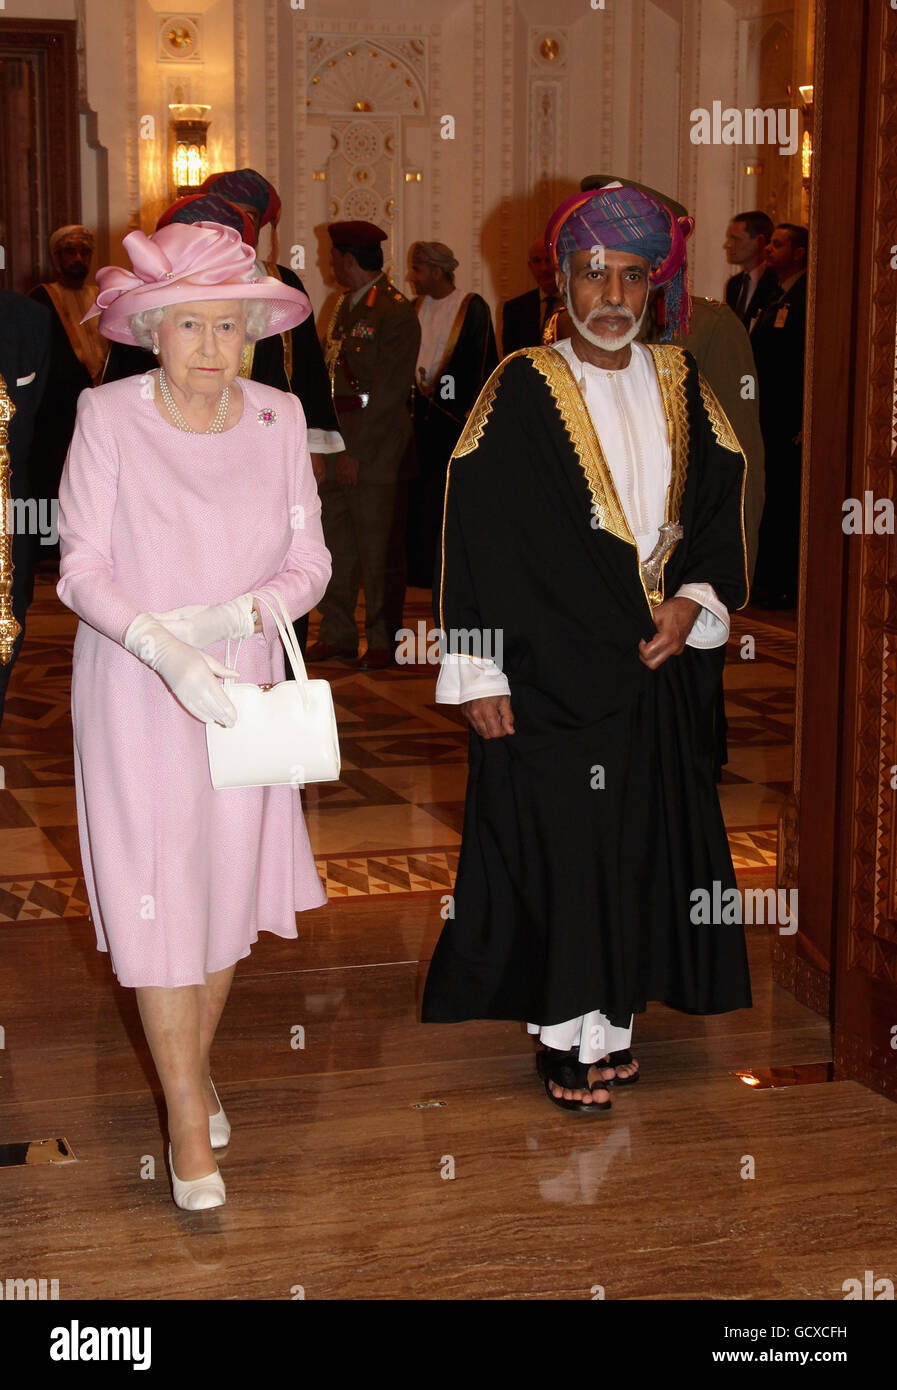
(719, 343)
(372, 348)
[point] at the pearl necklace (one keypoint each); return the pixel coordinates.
(217, 424)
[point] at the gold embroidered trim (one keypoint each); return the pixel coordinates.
(671, 368)
(672, 372)
(478, 417)
(470, 438)
(726, 436)
(247, 357)
(578, 423)
(273, 270)
(332, 345)
(719, 421)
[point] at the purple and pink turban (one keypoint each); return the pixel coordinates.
(208, 207)
(246, 186)
(625, 219)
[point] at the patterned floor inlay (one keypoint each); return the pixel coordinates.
(753, 849)
(364, 875)
(387, 827)
(42, 899)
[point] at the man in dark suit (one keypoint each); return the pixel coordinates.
(778, 343)
(749, 291)
(523, 319)
(25, 334)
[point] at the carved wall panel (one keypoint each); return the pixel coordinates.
(548, 105)
(365, 87)
(361, 172)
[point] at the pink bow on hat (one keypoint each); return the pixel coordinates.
(216, 257)
(185, 262)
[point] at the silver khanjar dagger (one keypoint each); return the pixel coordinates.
(668, 536)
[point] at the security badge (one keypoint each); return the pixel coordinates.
(781, 316)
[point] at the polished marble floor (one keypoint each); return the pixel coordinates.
(374, 1158)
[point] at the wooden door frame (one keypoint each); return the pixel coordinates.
(57, 40)
(807, 827)
(865, 976)
(830, 826)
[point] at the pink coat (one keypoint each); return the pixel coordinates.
(181, 878)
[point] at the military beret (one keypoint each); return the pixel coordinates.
(355, 234)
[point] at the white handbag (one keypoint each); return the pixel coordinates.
(285, 734)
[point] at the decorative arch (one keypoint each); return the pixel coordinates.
(365, 90)
(366, 76)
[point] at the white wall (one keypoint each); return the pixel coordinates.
(616, 98)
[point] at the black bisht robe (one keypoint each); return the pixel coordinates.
(470, 358)
(588, 829)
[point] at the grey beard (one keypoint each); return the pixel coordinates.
(603, 342)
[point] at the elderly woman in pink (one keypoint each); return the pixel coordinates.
(186, 492)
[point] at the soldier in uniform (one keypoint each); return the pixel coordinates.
(371, 350)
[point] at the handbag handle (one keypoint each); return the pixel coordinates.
(287, 636)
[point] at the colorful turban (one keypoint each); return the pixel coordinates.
(209, 207)
(626, 219)
(247, 186)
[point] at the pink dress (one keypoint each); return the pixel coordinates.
(181, 878)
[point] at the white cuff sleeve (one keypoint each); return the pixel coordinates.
(325, 442)
(463, 678)
(711, 627)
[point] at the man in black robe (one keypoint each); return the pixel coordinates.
(456, 357)
(26, 335)
(77, 353)
(597, 569)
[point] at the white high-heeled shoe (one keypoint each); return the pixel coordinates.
(197, 1194)
(219, 1125)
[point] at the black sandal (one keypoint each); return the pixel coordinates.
(566, 1071)
(622, 1058)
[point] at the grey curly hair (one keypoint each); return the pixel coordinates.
(145, 323)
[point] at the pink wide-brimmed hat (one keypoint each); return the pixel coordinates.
(184, 262)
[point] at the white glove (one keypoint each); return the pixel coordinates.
(189, 674)
(201, 626)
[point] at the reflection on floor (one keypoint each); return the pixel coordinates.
(342, 1181)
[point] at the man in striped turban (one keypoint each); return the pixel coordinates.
(592, 551)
